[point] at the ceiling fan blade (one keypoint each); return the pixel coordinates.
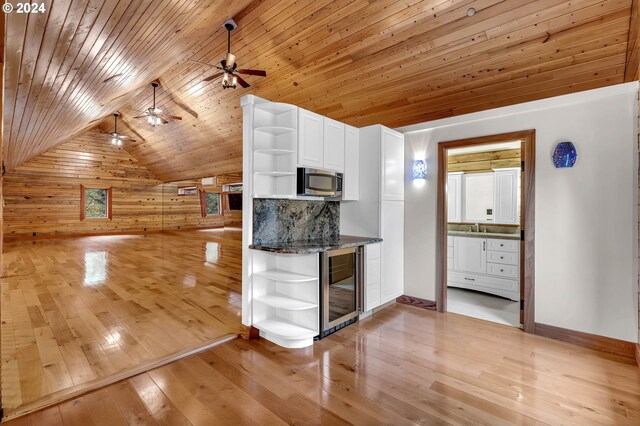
(253, 72)
(213, 77)
(142, 116)
(172, 117)
(242, 82)
(123, 137)
(164, 121)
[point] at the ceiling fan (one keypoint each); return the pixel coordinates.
(117, 138)
(228, 66)
(153, 115)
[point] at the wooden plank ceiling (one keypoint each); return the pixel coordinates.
(359, 61)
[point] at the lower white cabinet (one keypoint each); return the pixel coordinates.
(392, 233)
(372, 274)
(484, 264)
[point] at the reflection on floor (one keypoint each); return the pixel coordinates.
(483, 306)
(400, 366)
(77, 310)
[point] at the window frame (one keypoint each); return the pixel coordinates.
(203, 204)
(83, 207)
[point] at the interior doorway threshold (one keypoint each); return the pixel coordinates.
(92, 385)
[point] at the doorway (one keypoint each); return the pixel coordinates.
(486, 239)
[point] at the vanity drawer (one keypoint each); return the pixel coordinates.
(503, 245)
(507, 258)
(505, 271)
(481, 282)
(372, 251)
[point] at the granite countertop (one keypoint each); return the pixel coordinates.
(484, 235)
(304, 247)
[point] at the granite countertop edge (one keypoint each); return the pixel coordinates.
(308, 247)
(484, 235)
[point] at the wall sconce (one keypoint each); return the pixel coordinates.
(564, 155)
(419, 169)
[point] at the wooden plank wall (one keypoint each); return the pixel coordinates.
(42, 196)
(484, 161)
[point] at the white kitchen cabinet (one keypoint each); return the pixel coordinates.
(454, 197)
(351, 180)
(310, 139)
(333, 142)
(392, 164)
(506, 196)
(392, 233)
(372, 276)
(470, 254)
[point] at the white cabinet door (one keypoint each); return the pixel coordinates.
(392, 165)
(454, 197)
(333, 145)
(392, 233)
(506, 196)
(372, 276)
(478, 197)
(470, 255)
(310, 139)
(351, 179)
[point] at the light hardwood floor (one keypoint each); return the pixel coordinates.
(402, 366)
(76, 311)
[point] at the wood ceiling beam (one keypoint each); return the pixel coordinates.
(632, 69)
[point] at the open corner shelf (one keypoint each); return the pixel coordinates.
(275, 107)
(285, 329)
(275, 130)
(285, 276)
(283, 302)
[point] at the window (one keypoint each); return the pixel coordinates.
(210, 203)
(95, 203)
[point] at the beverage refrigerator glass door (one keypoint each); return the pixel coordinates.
(341, 277)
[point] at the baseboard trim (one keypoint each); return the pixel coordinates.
(75, 391)
(592, 341)
(417, 302)
(12, 238)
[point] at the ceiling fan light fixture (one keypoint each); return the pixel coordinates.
(114, 141)
(230, 60)
(234, 81)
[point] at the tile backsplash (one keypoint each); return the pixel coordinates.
(281, 220)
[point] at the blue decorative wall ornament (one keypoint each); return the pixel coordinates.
(564, 155)
(419, 169)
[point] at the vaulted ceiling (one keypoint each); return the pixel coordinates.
(395, 62)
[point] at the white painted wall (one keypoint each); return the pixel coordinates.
(586, 216)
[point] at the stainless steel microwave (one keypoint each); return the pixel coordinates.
(319, 183)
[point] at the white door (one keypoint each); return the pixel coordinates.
(392, 233)
(470, 255)
(454, 197)
(351, 179)
(478, 197)
(506, 196)
(333, 145)
(310, 139)
(392, 165)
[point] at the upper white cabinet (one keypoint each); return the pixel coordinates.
(334, 136)
(310, 139)
(506, 196)
(392, 165)
(470, 255)
(454, 197)
(478, 197)
(351, 182)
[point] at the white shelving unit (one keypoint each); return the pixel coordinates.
(285, 305)
(274, 149)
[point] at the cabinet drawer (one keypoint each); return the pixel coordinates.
(372, 296)
(506, 271)
(507, 258)
(503, 245)
(372, 251)
(482, 281)
(373, 271)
